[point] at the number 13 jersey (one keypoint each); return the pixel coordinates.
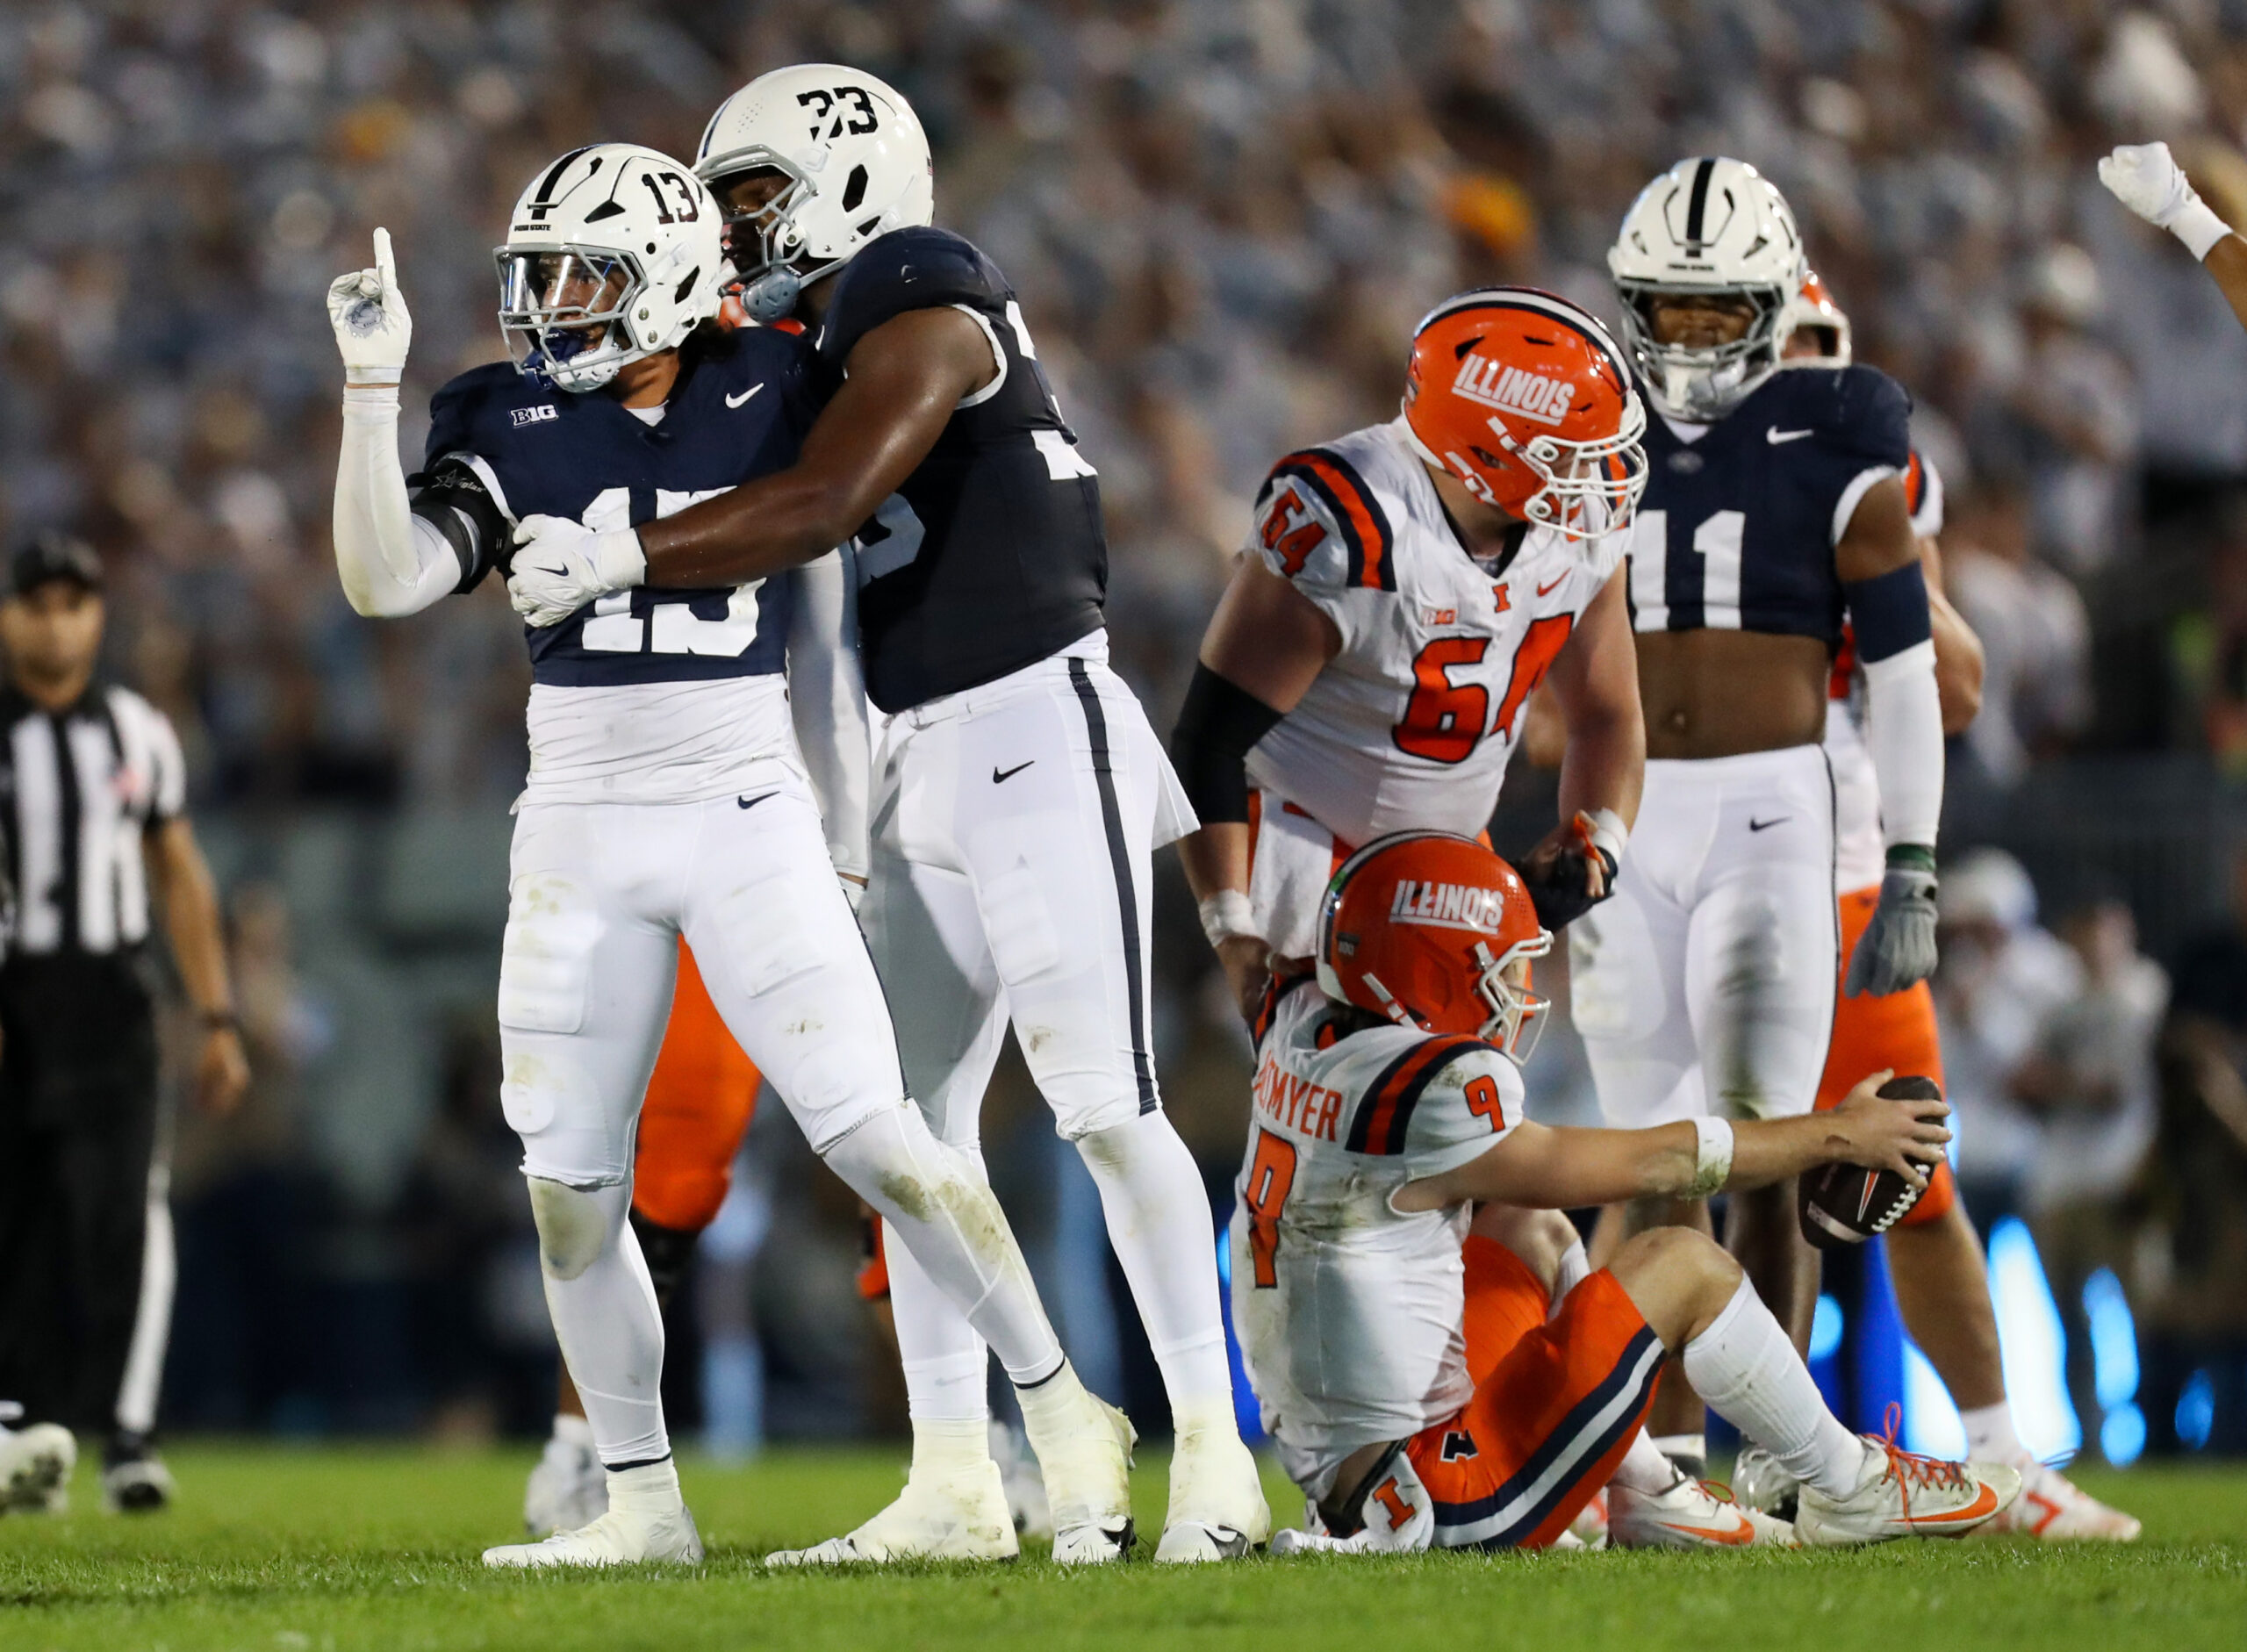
(1412, 724)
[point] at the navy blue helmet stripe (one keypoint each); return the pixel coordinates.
(1697, 208)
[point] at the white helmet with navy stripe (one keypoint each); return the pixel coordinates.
(613, 252)
(1715, 227)
(857, 164)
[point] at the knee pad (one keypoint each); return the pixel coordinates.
(668, 1251)
(573, 1226)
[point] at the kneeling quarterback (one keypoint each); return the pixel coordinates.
(667, 798)
(1441, 1375)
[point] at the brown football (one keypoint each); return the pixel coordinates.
(1847, 1204)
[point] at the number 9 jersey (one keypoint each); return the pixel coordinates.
(1411, 725)
(1350, 1316)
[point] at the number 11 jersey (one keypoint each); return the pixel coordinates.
(1411, 725)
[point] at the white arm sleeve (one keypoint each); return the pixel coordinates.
(1904, 732)
(827, 695)
(391, 561)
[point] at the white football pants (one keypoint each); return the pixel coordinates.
(598, 895)
(1712, 972)
(1012, 830)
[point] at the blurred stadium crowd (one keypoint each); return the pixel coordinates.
(1223, 217)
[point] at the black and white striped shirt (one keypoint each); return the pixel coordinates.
(84, 787)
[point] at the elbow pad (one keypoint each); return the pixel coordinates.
(452, 498)
(1219, 724)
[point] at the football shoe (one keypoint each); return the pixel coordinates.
(1689, 1514)
(1084, 1455)
(1217, 1510)
(960, 1516)
(35, 1465)
(138, 1485)
(2054, 1509)
(1590, 1528)
(568, 1488)
(646, 1521)
(1762, 1482)
(1901, 1494)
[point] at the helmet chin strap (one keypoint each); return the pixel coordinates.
(773, 295)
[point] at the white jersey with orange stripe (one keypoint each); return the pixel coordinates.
(1860, 852)
(1410, 726)
(1351, 1315)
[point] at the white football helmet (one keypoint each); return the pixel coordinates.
(1814, 319)
(613, 252)
(858, 165)
(1708, 224)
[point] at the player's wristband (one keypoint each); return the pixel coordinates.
(2198, 227)
(366, 401)
(1712, 1157)
(1225, 915)
(1608, 833)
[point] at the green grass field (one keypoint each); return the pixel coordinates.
(272, 1549)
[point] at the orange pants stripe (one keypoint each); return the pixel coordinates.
(1555, 1405)
(701, 1098)
(1896, 1032)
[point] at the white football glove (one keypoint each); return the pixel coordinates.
(368, 313)
(2146, 178)
(561, 565)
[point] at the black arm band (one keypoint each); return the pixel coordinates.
(1220, 722)
(453, 498)
(1890, 612)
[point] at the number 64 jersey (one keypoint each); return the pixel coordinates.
(1410, 726)
(1352, 1317)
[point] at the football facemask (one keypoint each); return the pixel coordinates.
(562, 311)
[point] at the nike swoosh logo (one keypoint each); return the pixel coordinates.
(1737, 1536)
(751, 803)
(999, 778)
(1775, 435)
(1764, 825)
(736, 401)
(1981, 1509)
(1546, 591)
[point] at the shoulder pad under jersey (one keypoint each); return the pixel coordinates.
(919, 269)
(1319, 523)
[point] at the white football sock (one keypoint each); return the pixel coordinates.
(1158, 1221)
(933, 1202)
(1990, 1436)
(946, 1445)
(1575, 1269)
(1644, 1467)
(572, 1430)
(605, 1316)
(947, 1367)
(1747, 1370)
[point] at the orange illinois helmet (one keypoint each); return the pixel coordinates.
(1434, 931)
(1813, 330)
(1526, 400)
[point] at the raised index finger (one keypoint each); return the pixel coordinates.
(385, 261)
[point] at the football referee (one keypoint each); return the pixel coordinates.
(92, 794)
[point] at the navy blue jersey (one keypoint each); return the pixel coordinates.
(503, 446)
(991, 555)
(1736, 531)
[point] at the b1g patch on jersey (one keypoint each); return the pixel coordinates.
(545, 412)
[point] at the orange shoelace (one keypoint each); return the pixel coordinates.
(1909, 1468)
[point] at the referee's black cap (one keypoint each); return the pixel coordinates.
(53, 556)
